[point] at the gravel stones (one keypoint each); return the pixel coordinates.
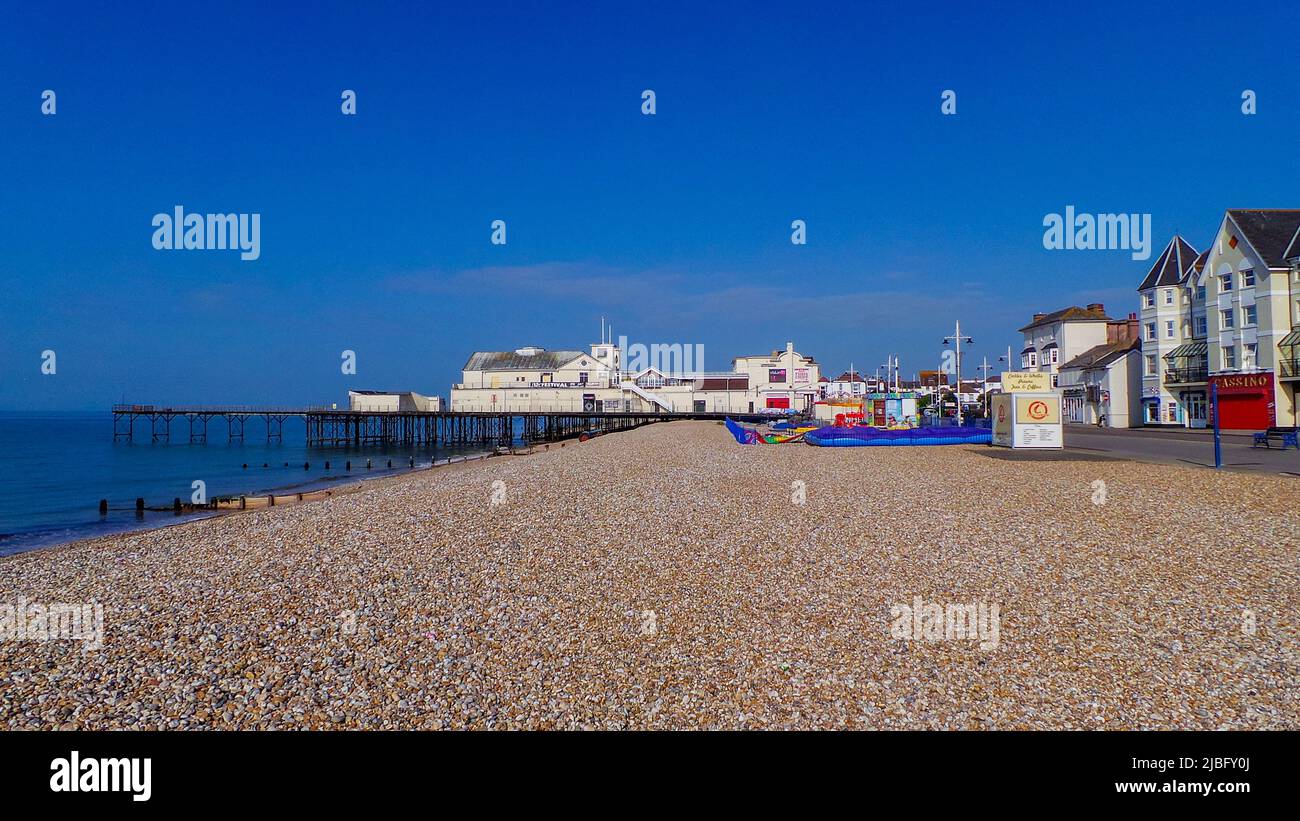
(666, 578)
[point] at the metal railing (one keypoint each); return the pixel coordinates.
(1183, 375)
(1288, 368)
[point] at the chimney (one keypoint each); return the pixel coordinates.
(1038, 317)
(1097, 308)
(1122, 330)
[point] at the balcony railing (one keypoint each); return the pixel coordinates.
(1175, 376)
(1289, 368)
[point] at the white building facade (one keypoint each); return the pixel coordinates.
(1053, 339)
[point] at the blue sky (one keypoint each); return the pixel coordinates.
(375, 228)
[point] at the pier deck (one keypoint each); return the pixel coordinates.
(331, 427)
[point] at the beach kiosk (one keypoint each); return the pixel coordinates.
(1028, 413)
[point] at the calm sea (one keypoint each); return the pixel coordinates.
(57, 466)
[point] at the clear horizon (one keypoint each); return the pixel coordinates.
(375, 228)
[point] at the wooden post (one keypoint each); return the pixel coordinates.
(103, 507)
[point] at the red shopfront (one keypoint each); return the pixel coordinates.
(1246, 401)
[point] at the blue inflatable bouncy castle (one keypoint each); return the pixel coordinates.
(832, 437)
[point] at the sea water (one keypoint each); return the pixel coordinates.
(55, 467)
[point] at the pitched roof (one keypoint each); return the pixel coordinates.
(1269, 231)
(1293, 250)
(515, 361)
(1072, 314)
(844, 377)
(1171, 265)
(1099, 356)
(1197, 265)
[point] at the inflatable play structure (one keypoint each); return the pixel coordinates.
(857, 436)
(863, 436)
(782, 432)
(895, 410)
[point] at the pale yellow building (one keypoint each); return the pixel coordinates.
(1252, 314)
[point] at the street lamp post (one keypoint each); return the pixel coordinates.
(985, 368)
(957, 339)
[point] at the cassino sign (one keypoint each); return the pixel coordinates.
(1243, 383)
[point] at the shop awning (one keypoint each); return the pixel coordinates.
(1189, 350)
(1290, 340)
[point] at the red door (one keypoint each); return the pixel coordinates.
(1243, 412)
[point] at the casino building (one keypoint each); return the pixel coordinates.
(1251, 277)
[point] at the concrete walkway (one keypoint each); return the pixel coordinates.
(1181, 447)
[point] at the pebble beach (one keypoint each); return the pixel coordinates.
(668, 578)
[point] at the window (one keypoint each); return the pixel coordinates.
(1230, 356)
(1032, 359)
(1200, 292)
(1250, 313)
(1248, 278)
(1151, 331)
(1199, 325)
(1169, 329)
(1055, 377)
(1169, 296)
(1151, 365)
(1148, 300)
(1226, 319)
(1055, 355)
(1248, 355)
(1225, 283)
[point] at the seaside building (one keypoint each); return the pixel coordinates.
(1051, 339)
(847, 384)
(1173, 330)
(535, 379)
(1252, 341)
(781, 380)
(393, 401)
(1105, 381)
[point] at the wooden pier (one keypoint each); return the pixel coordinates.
(330, 427)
